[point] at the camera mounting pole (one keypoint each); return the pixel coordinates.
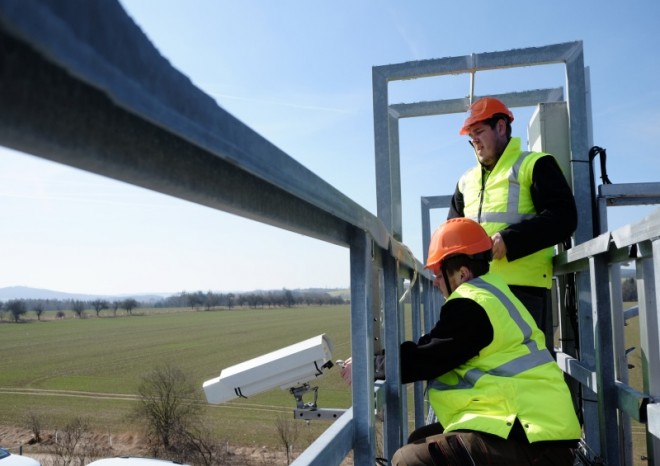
(309, 411)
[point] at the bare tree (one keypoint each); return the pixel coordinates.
(38, 309)
(33, 422)
(169, 405)
(99, 305)
(289, 299)
(211, 300)
(68, 442)
(75, 446)
(17, 308)
(115, 305)
(195, 299)
(288, 431)
(79, 308)
(129, 304)
(201, 448)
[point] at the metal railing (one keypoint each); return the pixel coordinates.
(69, 95)
(604, 379)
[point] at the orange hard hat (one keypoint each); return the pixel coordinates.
(457, 236)
(483, 109)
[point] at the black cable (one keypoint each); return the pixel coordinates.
(593, 152)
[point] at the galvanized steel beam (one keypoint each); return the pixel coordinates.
(104, 100)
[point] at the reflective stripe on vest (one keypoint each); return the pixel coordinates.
(536, 357)
(512, 380)
(501, 198)
(511, 215)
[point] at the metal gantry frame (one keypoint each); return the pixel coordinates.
(69, 94)
(599, 366)
(386, 131)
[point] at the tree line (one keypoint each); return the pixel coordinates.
(15, 309)
(252, 299)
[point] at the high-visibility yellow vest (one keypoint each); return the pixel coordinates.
(513, 377)
(502, 197)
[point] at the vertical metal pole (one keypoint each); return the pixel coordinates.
(602, 213)
(418, 387)
(395, 396)
(620, 361)
(607, 395)
(388, 193)
(426, 228)
(364, 439)
(648, 282)
(579, 134)
(432, 302)
(394, 164)
(579, 137)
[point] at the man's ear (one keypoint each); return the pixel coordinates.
(501, 126)
(465, 273)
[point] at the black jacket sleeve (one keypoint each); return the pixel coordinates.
(463, 330)
(556, 217)
(456, 205)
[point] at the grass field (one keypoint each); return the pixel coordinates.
(92, 367)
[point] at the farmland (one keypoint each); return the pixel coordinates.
(92, 367)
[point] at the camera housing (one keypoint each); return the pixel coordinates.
(286, 368)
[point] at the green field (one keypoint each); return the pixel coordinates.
(92, 367)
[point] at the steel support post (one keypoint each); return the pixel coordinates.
(648, 282)
(362, 350)
(418, 387)
(606, 388)
(396, 424)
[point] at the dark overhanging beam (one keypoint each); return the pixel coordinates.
(81, 85)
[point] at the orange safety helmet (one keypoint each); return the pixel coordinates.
(456, 236)
(483, 109)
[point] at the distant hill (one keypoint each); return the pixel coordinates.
(25, 292)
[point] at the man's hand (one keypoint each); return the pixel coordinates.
(499, 247)
(346, 370)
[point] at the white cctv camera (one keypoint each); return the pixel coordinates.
(286, 368)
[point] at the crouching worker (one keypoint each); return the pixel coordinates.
(499, 396)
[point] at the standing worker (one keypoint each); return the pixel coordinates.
(499, 396)
(522, 200)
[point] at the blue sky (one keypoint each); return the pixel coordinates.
(299, 72)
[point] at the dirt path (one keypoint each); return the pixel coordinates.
(127, 397)
(69, 393)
